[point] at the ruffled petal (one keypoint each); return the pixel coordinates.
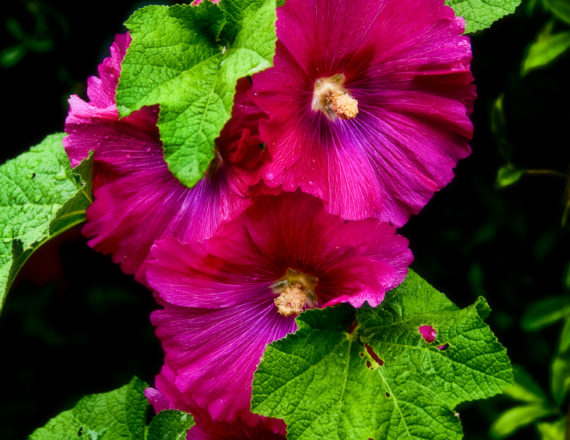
(409, 72)
(136, 198)
(219, 295)
(166, 396)
(214, 352)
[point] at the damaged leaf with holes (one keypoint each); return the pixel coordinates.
(381, 379)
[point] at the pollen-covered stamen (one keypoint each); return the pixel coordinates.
(291, 300)
(296, 292)
(330, 97)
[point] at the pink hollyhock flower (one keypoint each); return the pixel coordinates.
(166, 396)
(137, 200)
(226, 298)
(368, 103)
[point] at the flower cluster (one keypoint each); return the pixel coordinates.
(362, 118)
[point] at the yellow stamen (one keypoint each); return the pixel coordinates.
(296, 292)
(291, 300)
(342, 104)
(330, 97)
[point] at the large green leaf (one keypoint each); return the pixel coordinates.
(40, 197)
(116, 415)
(382, 380)
(481, 14)
(188, 59)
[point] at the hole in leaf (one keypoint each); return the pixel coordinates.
(387, 395)
(373, 355)
(443, 347)
(80, 432)
(428, 333)
(33, 175)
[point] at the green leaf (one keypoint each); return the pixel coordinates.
(546, 312)
(545, 49)
(524, 388)
(519, 416)
(170, 424)
(560, 8)
(560, 378)
(508, 175)
(40, 197)
(552, 431)
(118, 414)
(560, 367)
(382, 381)
(188, 59)
(481, 14)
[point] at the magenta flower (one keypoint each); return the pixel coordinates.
(368, 103)
(166, 396)
(226, 298)
(137, 200)
(428, 333)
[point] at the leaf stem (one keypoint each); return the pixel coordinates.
(547, 173)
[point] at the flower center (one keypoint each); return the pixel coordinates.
(330, 97)
(296, 292)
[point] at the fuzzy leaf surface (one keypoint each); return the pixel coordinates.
(116, 415)
(481, 14)
(40, 197)
(188, 60)
(170, 424)
(383, 380)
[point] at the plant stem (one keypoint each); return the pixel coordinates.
(547, 173)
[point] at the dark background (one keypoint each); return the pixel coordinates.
(74, 324)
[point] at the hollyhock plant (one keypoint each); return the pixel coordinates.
(226, 298)
(166, 396)
(136, 198)
(368, 103)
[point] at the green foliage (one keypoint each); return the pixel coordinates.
(560, 9)
(547, 47)
(40, 197)
(552, 430)
(170, 424)
(188, 59)
(118, 414)
(382, 380)
(537, 405)
(508, 175)
(481, 14)
(524, 388)
(518, 417)
(560, 368)
(546, 312)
